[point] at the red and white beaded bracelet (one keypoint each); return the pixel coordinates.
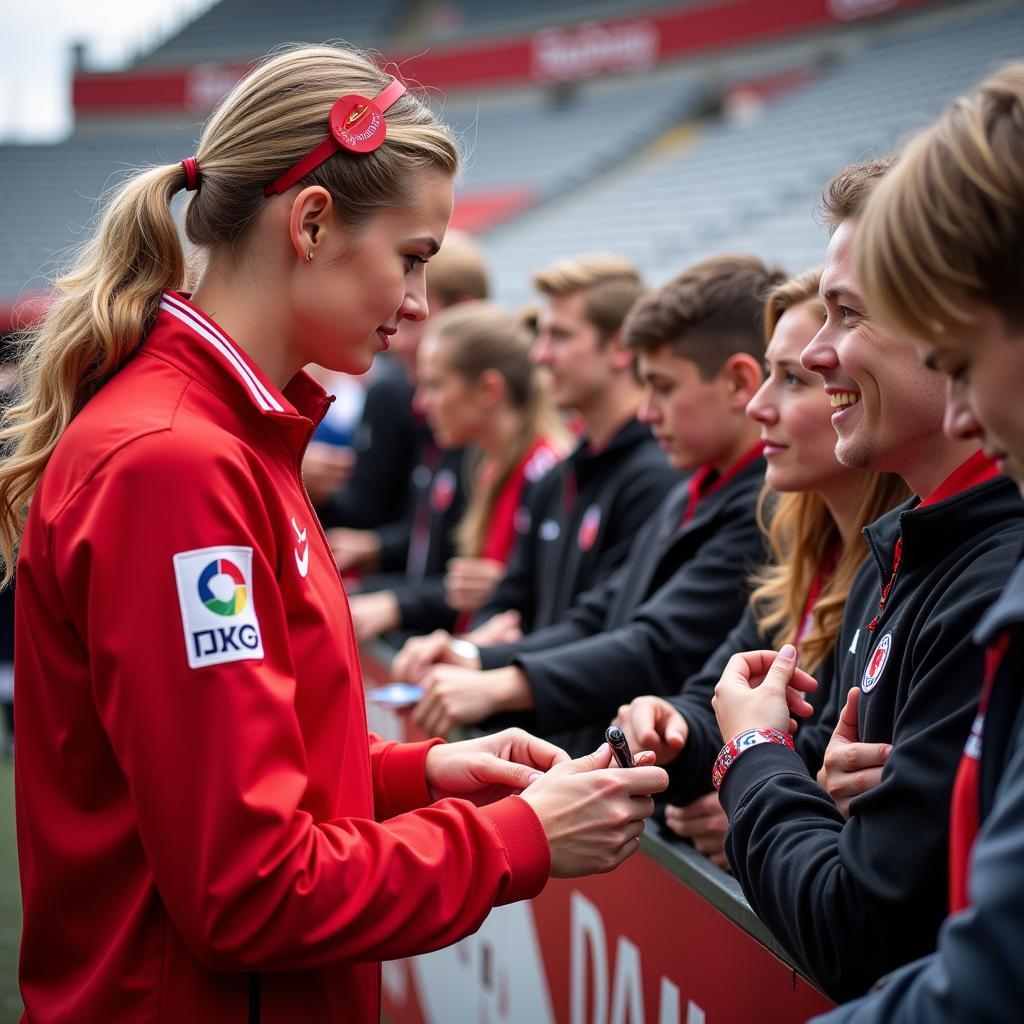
(744, 741)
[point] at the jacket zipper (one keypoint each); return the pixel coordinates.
(254, 998)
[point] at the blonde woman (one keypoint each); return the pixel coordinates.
(811, 510)
(206, 832)
(477, 387)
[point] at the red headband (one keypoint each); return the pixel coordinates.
(356, 124)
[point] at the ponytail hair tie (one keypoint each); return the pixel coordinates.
(191, 173)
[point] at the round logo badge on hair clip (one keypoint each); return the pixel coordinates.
(357, 124)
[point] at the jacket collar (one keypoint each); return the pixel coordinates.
(1007, 611)
(628, 436)
(197, 345)
(741, 486)
(942, 524)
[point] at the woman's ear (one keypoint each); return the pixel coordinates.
(490, 386)
(310, 220)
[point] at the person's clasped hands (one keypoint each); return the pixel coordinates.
(592, 814)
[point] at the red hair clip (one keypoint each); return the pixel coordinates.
(356, 124)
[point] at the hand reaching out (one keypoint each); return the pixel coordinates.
(651, 723)
(704, 823)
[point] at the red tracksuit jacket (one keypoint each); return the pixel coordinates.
(206, 832)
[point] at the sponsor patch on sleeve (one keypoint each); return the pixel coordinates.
(218, 613)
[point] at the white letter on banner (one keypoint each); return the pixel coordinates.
(628, 987)
(668, 1002)
(694, 1014)
(587, 929)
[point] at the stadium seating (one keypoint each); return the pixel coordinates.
(465, 19)
(241, 30)
(752, 185)
(573, 169)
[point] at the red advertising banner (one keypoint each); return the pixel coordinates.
(552, 54)
(632, 947)
(636, 946)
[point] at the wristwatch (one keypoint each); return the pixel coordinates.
(464, 649)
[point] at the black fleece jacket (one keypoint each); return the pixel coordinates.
(582, 518)
(975, 975)
(853, 899)
(651, 624)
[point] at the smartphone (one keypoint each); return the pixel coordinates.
(620, 746)
(396, 695)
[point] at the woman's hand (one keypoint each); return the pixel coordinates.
(354, 549)
(762, 690)
(651, 723)
(470, 581)
(326, 469)
(419, 653)
(489, 768)
(593, 815)
(459, 696)
(503, 628)
(704, 823)
(374, 613)
(851, 767)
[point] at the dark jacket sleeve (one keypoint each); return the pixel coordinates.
(690, 773)
(635, 506)
(667, 638)
(585, 619)
(378, 490)
(976, 973)
(516, 588)
(853, 900)
(422, 605)
(394, 544)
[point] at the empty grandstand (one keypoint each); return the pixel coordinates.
(661, 132)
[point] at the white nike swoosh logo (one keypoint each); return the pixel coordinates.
(302, 562)
(301, 534)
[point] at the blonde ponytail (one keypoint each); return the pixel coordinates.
(108, 302)
(103, 308)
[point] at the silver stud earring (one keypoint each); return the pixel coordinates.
(309, 255)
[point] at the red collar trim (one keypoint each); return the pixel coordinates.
(303, 395)
(704, 483)
(978, 469)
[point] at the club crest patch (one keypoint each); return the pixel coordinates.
(218, 614)
(443, 491)
(589, 526)
(876, 664)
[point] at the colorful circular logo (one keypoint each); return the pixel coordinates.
(222, 588)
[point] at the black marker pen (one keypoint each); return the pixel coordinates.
(620, 747)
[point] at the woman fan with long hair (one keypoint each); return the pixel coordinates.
(477, 387)
(812, 510)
